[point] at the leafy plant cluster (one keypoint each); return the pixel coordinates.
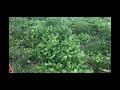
(60, 44)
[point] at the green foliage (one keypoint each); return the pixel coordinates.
(60, 44)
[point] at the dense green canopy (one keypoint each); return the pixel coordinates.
(60, 44)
